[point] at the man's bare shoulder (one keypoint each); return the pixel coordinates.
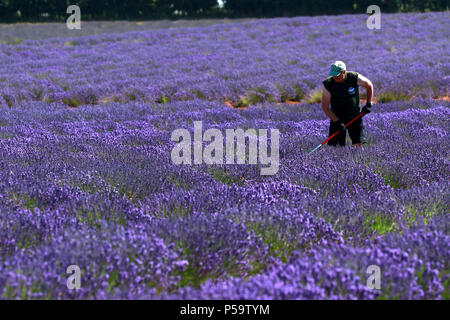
(363, 81)
(328, 79)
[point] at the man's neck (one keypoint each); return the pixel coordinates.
(345, 78)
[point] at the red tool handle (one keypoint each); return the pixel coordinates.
(359, 115)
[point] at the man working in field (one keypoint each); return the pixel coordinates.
(341, 89)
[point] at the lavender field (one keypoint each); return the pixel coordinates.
(87, 177)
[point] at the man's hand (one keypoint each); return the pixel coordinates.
(367, 108)
(340, 126)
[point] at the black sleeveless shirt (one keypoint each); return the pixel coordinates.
(344, 96)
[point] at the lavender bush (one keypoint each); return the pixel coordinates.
(267, 60)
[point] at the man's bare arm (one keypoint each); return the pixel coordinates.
(326, 97)
(366, 83)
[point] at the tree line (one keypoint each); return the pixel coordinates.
(55, 10)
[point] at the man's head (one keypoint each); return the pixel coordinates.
(338, 71)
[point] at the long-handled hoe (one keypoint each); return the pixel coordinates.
(359, 115)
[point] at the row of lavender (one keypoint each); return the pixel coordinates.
(265, 60)
(95, 187)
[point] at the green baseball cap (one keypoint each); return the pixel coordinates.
(337, 68)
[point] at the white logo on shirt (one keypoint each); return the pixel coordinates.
(351, 90)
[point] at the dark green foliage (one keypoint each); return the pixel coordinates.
(286, 8)
(55, 10)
